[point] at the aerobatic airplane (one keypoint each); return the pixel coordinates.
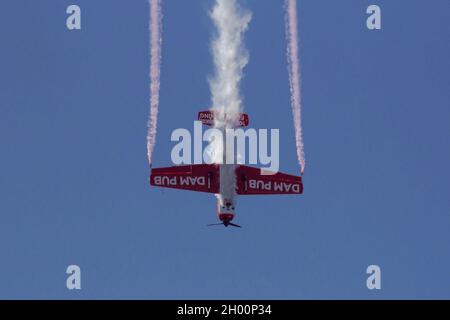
(215, 178)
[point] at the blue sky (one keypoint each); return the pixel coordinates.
(74, 177)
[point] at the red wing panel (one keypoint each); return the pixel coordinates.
(243, 120)
(207, 118)
(199, 177)
(250, 181)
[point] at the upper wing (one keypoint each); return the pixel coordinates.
(250, 181)
(200, 177)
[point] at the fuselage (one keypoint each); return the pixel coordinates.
(226, 197)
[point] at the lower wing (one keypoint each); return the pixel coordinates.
(199, 177)
(251, 181)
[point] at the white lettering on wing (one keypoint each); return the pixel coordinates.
(192, 181)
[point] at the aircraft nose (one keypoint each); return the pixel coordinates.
(226, 217)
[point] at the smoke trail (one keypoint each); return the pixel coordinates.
(230, 58)
(294, 76)
(155, 71)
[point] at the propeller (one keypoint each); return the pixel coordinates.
(234, 225)
(226, 225)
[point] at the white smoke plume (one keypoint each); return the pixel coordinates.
(230, 58)
(294, 77)
(155, 72)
